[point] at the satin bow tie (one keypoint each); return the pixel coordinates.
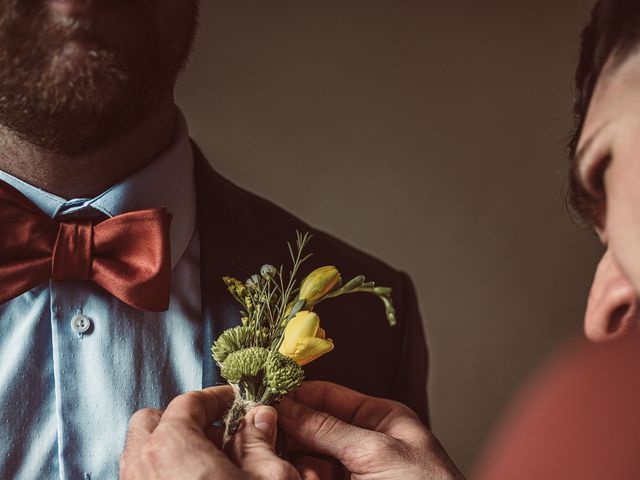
(128, 255)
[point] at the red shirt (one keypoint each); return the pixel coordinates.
(578, 419)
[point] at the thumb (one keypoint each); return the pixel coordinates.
(252, 448)
(322, 433)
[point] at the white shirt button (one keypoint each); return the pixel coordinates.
(80, 323)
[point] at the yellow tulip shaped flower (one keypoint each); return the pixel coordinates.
(318, 283)
(304, 340)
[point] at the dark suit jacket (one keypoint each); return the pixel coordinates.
(239, 232)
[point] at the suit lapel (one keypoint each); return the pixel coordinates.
(214, 228)
(230, 244)
(240, 231)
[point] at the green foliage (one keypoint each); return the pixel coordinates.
(245, 365)
(249, 355)
(282, 374)
(235, 287)
(230, 341)
(359, 284)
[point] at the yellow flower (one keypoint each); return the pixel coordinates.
(318, 283)
(304, 340)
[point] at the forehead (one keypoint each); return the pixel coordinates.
(616, 95)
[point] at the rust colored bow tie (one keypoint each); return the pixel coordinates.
(127, 255)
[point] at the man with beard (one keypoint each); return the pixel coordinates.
(115, 233)
(578, 418)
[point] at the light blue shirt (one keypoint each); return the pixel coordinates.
(66, 394)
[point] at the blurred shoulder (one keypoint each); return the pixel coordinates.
(577, 418)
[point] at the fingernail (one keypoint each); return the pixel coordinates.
(265, 420)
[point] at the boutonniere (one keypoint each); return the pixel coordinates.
(280, 332)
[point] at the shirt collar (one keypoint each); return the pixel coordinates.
(168, 181)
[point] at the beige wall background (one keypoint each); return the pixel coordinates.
(427, 133)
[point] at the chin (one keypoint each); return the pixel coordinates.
(73, 85)
(81, 77)
(80, 106)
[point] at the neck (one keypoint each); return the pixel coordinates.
(86, 176)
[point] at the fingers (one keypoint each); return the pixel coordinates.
(378, 414)
(253, 450)
(320, 432)
(191, 416)
(215, 433)
(200, 408)
(141, 426)
(401, 444)
(311, 467)
(175, 445)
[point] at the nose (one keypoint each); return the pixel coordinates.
(613, 309)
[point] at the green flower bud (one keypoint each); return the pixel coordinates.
(253, 282)
(354, 283)
(282, 374)
(386, 291)
(245, 364)
(268, 271)
(231, 340)
(390, 311)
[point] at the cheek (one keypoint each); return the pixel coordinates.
(622, 185)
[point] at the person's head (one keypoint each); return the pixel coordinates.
(605, 162)
(76, 74)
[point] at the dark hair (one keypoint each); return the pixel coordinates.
(613, 32)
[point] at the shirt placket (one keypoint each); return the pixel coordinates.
(75, 336)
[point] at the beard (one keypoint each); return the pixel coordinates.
(73, 84)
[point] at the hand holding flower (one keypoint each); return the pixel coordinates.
(179, 444)
(371, 437)
(279, 332)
